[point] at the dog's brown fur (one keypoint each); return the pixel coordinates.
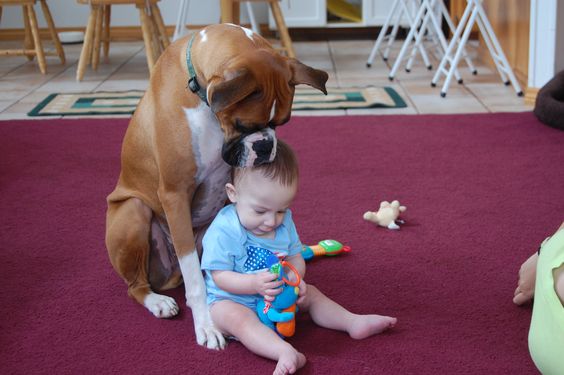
(244, 79)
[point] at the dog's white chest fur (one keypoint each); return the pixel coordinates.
(213, 172)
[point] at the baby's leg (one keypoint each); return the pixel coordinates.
(329, 314)
(241, 322)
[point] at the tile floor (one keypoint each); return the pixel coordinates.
(22, 86)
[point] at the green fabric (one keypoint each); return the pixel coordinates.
(546, 335)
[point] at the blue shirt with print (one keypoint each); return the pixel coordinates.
(228, 246)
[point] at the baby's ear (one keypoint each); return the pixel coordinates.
(231, 192)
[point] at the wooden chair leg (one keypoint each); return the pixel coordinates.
(145, 26)
(28, 39)
(97, 39)
(107, 15)
(87, 45)
(282, 29)
(37, 39)
(53, 31)
(155, 11)
(230, 11)
(153, 30)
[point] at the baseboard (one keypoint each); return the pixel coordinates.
(128, 33)
(531, 95)
(117, 33)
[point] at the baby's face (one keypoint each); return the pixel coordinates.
(261, 202)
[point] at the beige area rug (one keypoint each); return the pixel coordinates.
(120, 103)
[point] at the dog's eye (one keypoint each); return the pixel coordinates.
(255, 95)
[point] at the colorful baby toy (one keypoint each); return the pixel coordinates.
(325, 247)
(280, 314)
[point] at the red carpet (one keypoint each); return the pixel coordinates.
(482, 192)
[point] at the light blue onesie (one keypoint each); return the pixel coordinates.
(230, 247)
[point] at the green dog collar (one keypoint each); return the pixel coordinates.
(193, 84)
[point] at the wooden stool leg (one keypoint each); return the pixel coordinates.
(230, 11)
(28, 39)
(155, 11)
(107, 15)
(87, 45)
(145, 26)
(282, 29)
(37, 39)
(153, 30)
(97, 38)
(53, 31)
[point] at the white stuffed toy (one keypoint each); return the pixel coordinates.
(387, 215)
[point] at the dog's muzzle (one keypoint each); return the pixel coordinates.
(251, 149)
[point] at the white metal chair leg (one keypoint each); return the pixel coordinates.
(251, 14)
(458, 53)
(497, 52)
(452, 28)
(424, 13)
(418, 46)
(407, 42)
(392, 37)
(435, 12)
(473, 12)
(418, 41)
(439, 33)
(450, 48)
(181, 19)
(490, 47)
(399, 8)
(383, 32)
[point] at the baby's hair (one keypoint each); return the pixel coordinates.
(284, 167)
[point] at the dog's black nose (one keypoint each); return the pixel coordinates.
(250, 149)
(263, 150)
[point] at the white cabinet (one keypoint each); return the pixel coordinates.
(314, 13)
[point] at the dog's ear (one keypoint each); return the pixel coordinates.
(302, 73)
(233, 87)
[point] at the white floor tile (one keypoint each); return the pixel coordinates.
(22, 86)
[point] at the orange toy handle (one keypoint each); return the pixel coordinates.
(287, 329)
(294, 270)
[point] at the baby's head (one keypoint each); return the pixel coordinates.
(262, 194)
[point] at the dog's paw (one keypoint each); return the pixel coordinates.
(210, 337)
(161, 306)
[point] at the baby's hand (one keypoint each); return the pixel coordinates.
(302, 287)
(266, 285)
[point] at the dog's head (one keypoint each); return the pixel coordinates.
(252, 94)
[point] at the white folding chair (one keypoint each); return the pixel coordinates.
(436, 12)
(399, 9)
(426, 13)
(474, 12)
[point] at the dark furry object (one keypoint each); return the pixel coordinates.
(549, 106)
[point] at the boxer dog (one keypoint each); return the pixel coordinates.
(213, 102)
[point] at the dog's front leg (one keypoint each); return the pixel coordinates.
(179, 220)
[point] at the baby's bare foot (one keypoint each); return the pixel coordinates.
(367, 325)
(289, 362)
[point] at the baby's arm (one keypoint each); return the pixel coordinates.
(263, 283)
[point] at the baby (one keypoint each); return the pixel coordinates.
(259, 223)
